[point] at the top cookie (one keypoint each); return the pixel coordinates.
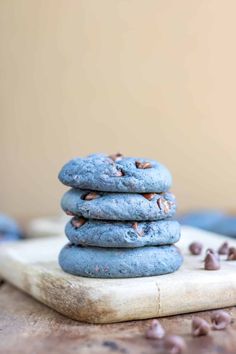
(116, 173)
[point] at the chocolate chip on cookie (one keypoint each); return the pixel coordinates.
(143, 165)
(120, 173)
(163, 205)
(91, 196)
(77, 222)
(135, 227)
(149, 196)
(116, 157)
(68, 212)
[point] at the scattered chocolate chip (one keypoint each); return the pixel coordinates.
(164, 204)
(120, 173)
(155, 331)
(143, 165)
(135, 227)
(116, 157)
(91, 196)
(210, 250)
(149, 196)
(212, 262)
(195, 248)
(220, 319)
(175, 344)
(224, 248)
(231, 254)
(68, 212)
(200, 327)
(77, 222)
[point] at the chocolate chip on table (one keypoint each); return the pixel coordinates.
(211, 262)
(155, 331)
(224, 248)
(231, 254)
(143, 165)
(175, 344)
(116, 157)
(91, 196)
(196, 248)
(77, 222)
(135, 227)
(163, 204)
(220, 319)
(149, 196)
(200, 327)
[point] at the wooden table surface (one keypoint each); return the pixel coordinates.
(27, 326)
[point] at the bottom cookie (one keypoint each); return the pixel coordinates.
(98, 262)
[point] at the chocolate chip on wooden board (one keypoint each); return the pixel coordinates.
(155, 331)
(231, 254)
(212, 251)
(91, 196)
(143, 165)
(175, 344)
(196, 248)
(220, 319)
(211, 262)
(224, 248)
(200, 327)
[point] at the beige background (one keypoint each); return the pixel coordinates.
(153, 78)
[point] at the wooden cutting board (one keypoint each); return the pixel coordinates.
(31, 265)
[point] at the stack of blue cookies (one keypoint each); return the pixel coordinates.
(121, 223)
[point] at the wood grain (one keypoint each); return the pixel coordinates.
(32, 266)
(27, 326)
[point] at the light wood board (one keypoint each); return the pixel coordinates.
(32, 266)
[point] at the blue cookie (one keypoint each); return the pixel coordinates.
(118, 206)
(122, 234)
(116, 173)
(9, 230)
(96, 262)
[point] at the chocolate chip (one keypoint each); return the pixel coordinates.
(116, 157)
(91, 196)
(210, 250)
(231, 254)
(77, 222)
(135, 227)
(212, 262)
(164, 204)
(143, 165)
(200, 327)
(149, 196)
(224, 248)
(120, 173)
(195, 248)
(68, 212)
(175, 344)
(220, 319)
(155, 331)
